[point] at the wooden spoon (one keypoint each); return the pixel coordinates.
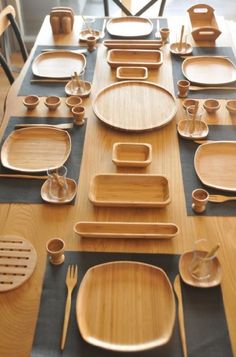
(192, 129)
(180, 44)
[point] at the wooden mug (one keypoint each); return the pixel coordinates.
(55, 248)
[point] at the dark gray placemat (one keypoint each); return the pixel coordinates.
(204, 51)
(190, 179)
(28, 190)
(163, 23)
(206, 327)
(46, 89)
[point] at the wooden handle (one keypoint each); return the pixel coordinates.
(66, 320)
(177, 287)
(181, 39)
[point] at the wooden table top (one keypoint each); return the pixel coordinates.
(39, 222)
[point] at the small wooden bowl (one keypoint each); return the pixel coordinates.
(201, 129)
(211, 105)
(84, 34)
(52, 102)
(188, 102)
(87, 89)
(31, 101)
(73, 100)
(132, 154)
(186, 49)
(231, 106)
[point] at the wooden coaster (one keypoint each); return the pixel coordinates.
(17, 261)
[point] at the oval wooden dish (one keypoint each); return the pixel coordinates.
(126, 230)
(132, 154)
(36, 149)
(129, 190)
(135, 105)
(125, 306)
(129, 26)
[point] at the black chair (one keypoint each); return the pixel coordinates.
(7, 18)
(140, 12)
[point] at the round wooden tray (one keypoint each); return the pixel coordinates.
(135, 105)
(18, 261)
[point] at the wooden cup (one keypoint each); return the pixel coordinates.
(55, 248)
(200, 199)
(183, 88)
(164, 31)
(91, 42)
(78, 112)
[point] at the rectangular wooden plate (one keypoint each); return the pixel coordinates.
(131, 72)
(132, 154)
(147, 58)
(129, 190)
(126, 230)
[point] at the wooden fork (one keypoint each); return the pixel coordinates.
(71, 281)
(221, 198)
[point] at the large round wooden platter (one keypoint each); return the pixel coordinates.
(135, 105)
(18, 260)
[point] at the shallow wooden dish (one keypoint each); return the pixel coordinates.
(18, 261)
(209, 70)
(72, 188)
(129, 190)
(215, 164)
(131, 72)
(144, 105)
(52, 64)
(186, 49)
(132, 154)
(70, 92)
(133, 44)
(125, 57)
(126, 230)
(184, 129)
(84, 34)
(36, 149)
(204, 24)
(184, 264)
(118, 297)
(129, 26)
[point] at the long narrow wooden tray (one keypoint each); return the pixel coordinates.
(129, 190)
(215, 164)
(118, 297)
(126, 230)
(36, 149)
(125, 57)
(133, 44)
(135, 105)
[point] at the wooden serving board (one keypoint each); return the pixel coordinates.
(135, 105)
(126, 230)
(129, 190)
(18, 260)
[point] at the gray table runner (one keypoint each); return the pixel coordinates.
(28, 190)
(205, 323)
(190, 179)
(204, 51)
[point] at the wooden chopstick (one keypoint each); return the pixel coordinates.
(23, 176)
(49, 80)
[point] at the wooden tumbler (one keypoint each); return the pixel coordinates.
(55, 248)
(200, 198)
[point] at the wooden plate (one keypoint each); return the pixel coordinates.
(132, 154)
(135, 105)
(52, 64)
(214, 280)
(36, 149)
(209, 70)
(184, 129)
(215, 164)
(147, 58)
(129, 190)
(129, 26)
(18, 260)
(72, 187)
(126, 230)
(125, 306)
(133, 44)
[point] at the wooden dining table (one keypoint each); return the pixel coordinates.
(37, 223)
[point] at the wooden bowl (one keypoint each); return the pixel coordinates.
(186, 49)
(73, 100)
(188, 102)
(132, 154)
(231, 106)
(31, 101)
(211, 105)
(85, 93)
(201, 129)
(52, 102)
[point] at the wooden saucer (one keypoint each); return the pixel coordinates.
(84, 34)
(71, 192)
(201, 129)
(87, 89)
(214, 280)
